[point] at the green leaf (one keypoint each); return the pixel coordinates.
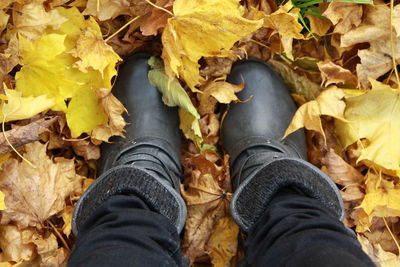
(175, 96)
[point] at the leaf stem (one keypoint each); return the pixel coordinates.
(158, 7)
(123, 27)
(59, 235)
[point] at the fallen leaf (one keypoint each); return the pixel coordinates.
(396, 20)
(202, 29)
(375, 30)
(345, 16)
(47, 70)
(318, 25)
(114, 110)
(209, 126)
(223, 92)
(373, 116)
(158, 18)
(223, 243)
(298, 84)
(32, 20)
(86, 149)
(12, 246)
(382, 199)
(340, 171)
(106, 9)
(285, 22)
(207, 198)
(21, 135)
(328, 103)
(66, 215)
(19, 108)
(3, 20)
(35, 194)
(174, 95)
(94, 52)
(380, 257)
(332, 73)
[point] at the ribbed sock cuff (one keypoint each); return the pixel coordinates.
(157, 193)
(253, 195)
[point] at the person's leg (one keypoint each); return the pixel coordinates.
(300, 228)
(296, 230)
(123, 231)
(132, 214)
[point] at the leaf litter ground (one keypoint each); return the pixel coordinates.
(58, 59)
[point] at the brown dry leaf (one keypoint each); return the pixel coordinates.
(209, 126)
(328, 103)
(332, 73)
(21, 135)
(379, 256)
(3, 20)
(383, 237)
(46, 247)
(35, 194)
(396, 20)
(66, 215)
(32, 20)
(382, 199)
(109, 9)
(86, 149)
(12, 245)
(222, 245)
(344, 16)
(375, 30)
(158, 18)
(319, 25)
(217, 66)
(9, 59)
(223, 92)
(116, 123)
(299, 84)
(207, 198)
(340, 171)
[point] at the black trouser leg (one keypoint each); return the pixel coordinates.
(296, 230)
(123, 231)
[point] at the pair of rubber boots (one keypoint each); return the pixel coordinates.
(147, 162)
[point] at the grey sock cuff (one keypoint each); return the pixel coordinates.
(157, 193)
(254, 194)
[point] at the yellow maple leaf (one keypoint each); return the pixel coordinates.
(93, 51)
(285, 22)
(20, 108)
(329, 103)
(374, 116)
(382, 199)
(202, 29)
(61, 66)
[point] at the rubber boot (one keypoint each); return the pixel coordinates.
(262, 163)
(147, 162)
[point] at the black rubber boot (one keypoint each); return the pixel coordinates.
(262, 163)
(147, 162)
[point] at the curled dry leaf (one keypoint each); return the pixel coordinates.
(209, 126)
(207, 197)
(332, 73)
(12, 246)
(375, 29)
(32, 20)
(158, 18)
(114, 110)
(202, 29)
(344, 16)
(21, 135)
(328, 103)
(86, 149)
(382, 199)
(379, 256)
(319, 25)
(35, 194)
